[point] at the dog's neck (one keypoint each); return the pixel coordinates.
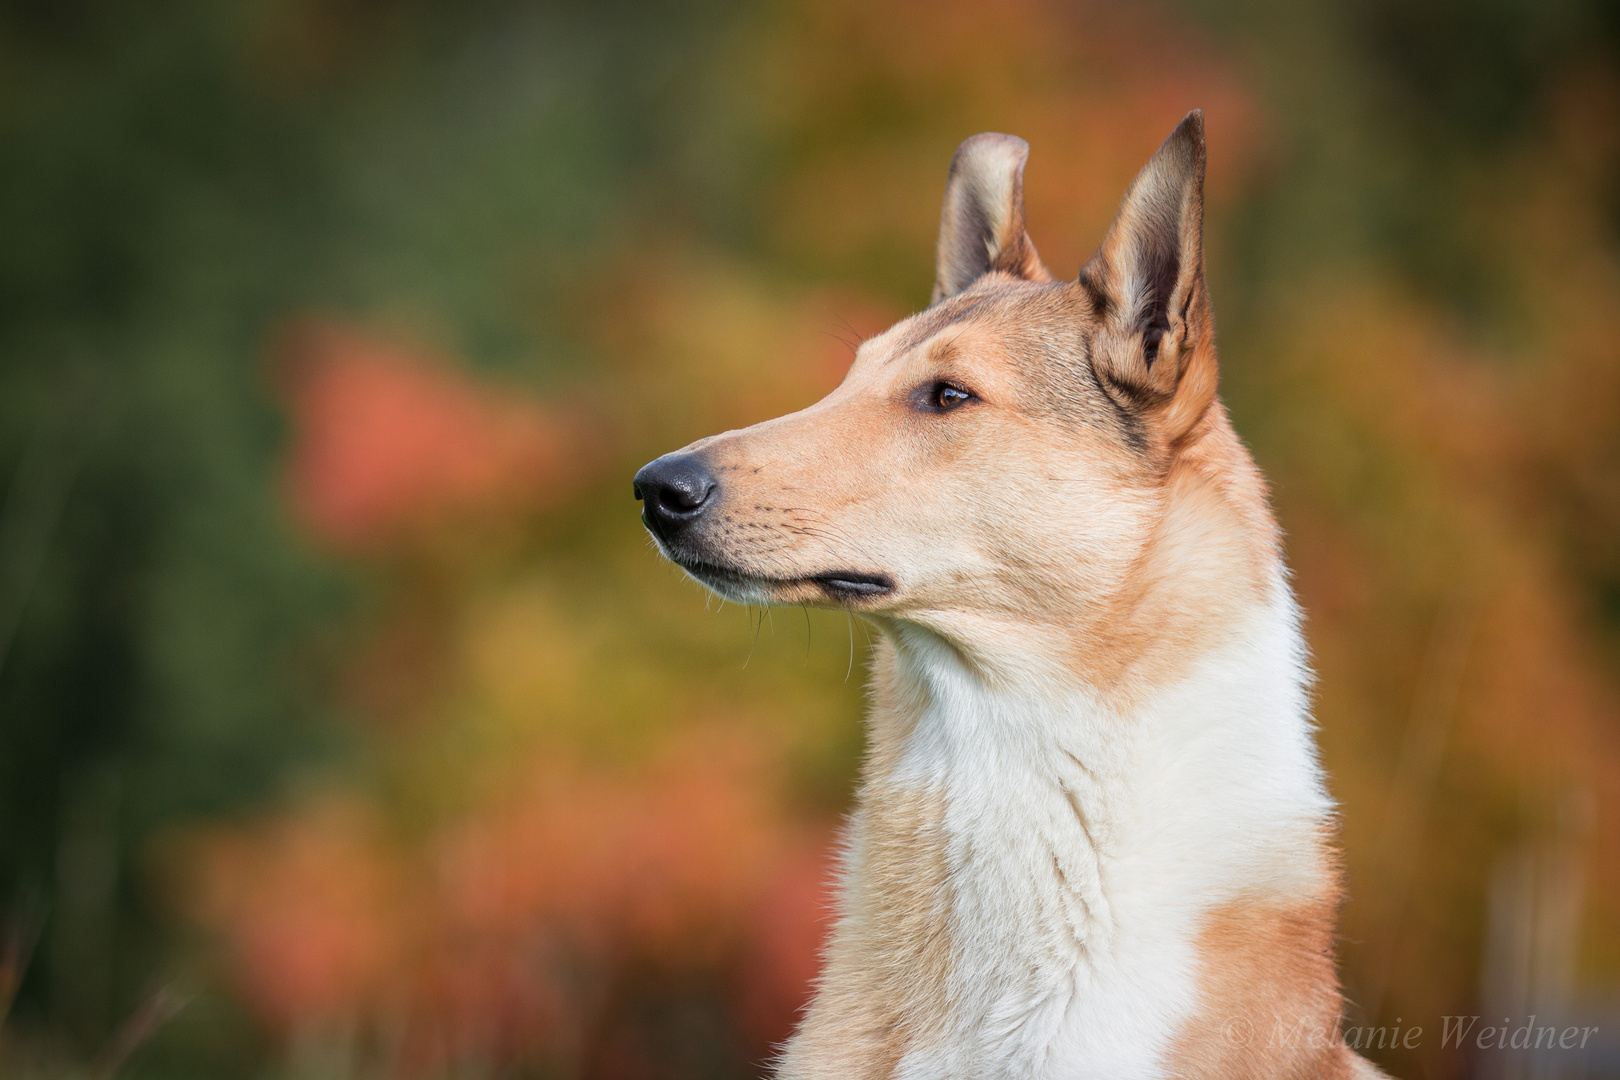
(1030, 867)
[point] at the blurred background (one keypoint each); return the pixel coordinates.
(349, 727)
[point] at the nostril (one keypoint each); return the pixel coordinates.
(684, 494)
(676, 488)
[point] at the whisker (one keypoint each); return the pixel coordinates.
(818, 528)
(850, 619)
(842, 340)
(756, 626)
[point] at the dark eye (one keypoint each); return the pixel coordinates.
(944, 396)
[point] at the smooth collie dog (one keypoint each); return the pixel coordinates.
(1092, 839)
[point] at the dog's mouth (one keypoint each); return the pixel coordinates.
(839, 586)
(842, 587)
(851, 584)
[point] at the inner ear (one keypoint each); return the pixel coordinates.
(1147, 269)
(1146, 282)
(981, 226)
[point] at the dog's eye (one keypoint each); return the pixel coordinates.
(944, 396)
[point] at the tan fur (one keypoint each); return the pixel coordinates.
(883, 987)
(1090, 513)
(1271, 999)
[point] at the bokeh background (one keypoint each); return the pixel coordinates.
(350, 728)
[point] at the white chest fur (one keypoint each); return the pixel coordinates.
(1082, 847)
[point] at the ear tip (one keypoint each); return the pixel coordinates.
(989, 145)
(1191, 131)
(1185, 145)
(995, 138)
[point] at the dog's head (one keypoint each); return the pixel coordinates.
(1024, 453)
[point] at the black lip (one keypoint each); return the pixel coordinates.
(848, 585)
(716, 575)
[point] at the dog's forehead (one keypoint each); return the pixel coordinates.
(1011, 314)
(1029, 340)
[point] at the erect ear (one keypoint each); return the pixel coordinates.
(1155, 351)
(981, 227)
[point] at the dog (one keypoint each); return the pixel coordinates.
(1092, 838)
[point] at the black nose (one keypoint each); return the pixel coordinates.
(674, 490)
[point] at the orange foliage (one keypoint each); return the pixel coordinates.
(504, 936)
(388, 439)
(315, 911)
(882, 93)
